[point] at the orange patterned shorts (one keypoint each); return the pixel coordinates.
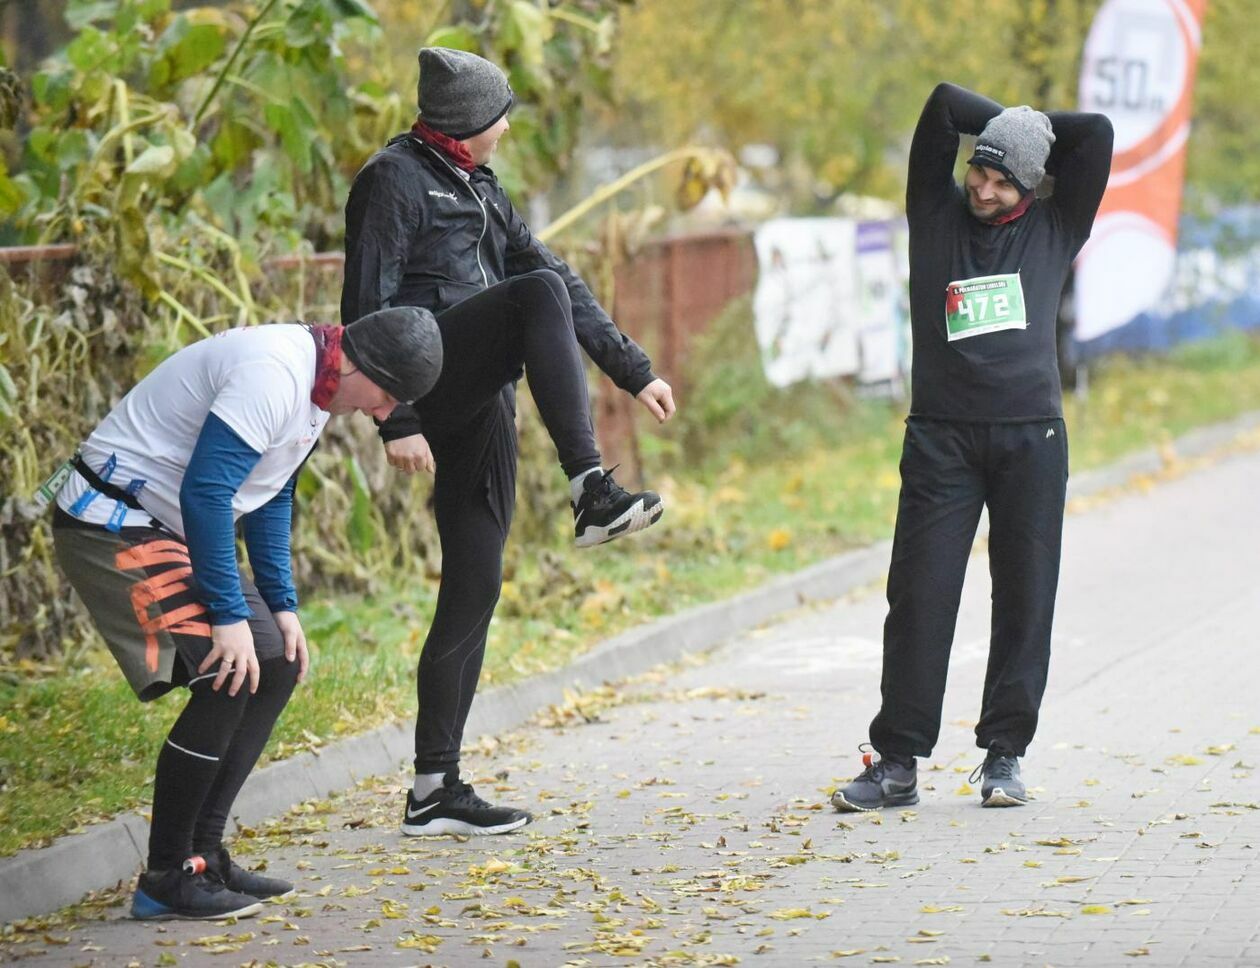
(138, 588)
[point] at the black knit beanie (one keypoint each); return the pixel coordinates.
(399, 349)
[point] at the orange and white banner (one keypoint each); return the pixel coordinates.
(1138, 69)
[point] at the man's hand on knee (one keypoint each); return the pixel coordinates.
(233, 649)
(295, 648)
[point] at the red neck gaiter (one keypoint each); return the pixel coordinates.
(456, 151)
(1017, 211)
(327, 364)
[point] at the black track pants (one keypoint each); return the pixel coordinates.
(949, 472)
(525, 321)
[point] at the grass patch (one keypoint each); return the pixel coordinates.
(781, 481)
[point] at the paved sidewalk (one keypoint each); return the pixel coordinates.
(682, 817)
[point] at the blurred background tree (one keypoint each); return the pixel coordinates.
(835, 86)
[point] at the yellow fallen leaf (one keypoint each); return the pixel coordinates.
(1134, 901)
(848, 952)
(965, 790)
(1219, 750)
(940, 909)
(1183, 759)
(395, 910)
(778, 539)
(788, 914)
(1033, 913)
(1138, 952)
(428, 943)
(1096, 909)
(1032, 863)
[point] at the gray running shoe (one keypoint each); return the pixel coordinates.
(219, 864)
(1002, 785)
(190, 894)
(884, 783)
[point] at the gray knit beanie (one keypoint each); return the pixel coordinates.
(1017, 143)
(460, 94)
(399, 349)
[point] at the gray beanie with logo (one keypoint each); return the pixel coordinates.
(460, 94)
(1017, 143)
(398, 348)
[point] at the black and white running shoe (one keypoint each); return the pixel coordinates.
(1001, 785)
(190, 894)
(606, 510)
(456, 809)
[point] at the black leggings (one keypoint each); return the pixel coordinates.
(473, 534)
(209, 752)
(468, 420)
(949, 472)
(525, 321)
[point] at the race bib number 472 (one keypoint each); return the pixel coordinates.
(982, 305)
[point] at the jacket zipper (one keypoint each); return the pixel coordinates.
(485, 217)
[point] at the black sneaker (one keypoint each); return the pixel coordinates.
(191, 894)
(606, 510)
(456, 809)
(884, 783)
(1002, 785)
(219, 865)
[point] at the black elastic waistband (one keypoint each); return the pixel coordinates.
(104, 487)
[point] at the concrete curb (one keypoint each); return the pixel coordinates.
(40, 880)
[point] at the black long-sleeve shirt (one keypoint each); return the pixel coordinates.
(1007, 374)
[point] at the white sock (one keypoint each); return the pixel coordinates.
(426, 783)
(575, 483)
